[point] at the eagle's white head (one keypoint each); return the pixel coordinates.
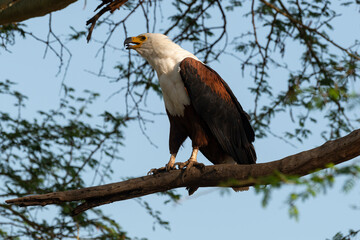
(149, 45)
(160, 52)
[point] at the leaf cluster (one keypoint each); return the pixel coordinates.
(319, 182)
(351, 235)
(8, 33)
(51, 153)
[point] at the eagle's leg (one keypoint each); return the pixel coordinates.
(171, 164)
(191, 162)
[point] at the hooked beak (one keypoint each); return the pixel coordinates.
(132, 43)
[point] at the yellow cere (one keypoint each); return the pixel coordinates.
(136, 42)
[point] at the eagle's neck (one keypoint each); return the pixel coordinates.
(164, 66)
(166, 60)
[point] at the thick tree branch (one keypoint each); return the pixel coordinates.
(20, 10)
(303, 163)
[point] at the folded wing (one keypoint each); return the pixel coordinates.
(215, 103)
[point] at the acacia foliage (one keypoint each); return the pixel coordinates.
(50, 153)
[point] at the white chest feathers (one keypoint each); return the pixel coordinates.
(174, 93)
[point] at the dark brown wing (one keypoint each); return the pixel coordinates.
(215, 103)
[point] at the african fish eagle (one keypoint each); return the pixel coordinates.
(199, 104)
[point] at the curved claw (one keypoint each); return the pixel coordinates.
(181, 165)
(186, 166)
(189, 164)
(154, 171)
(169, 167)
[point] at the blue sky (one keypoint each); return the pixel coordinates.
(207, 214)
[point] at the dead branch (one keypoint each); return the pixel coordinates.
(303, 163)
(106, 6)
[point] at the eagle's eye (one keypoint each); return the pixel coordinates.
(142, 38)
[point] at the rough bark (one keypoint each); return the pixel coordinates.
(20, 10)
(303, 163)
